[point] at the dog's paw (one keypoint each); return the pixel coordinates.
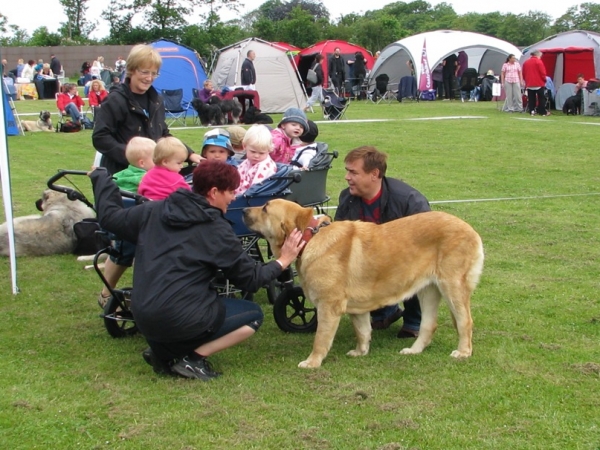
(357, 352)
(409, 351)
(459, 355)
(308, 364)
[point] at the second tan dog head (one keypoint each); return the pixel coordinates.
(276, 219)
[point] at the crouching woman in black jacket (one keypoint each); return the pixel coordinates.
(182, 242)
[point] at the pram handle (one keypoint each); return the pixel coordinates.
(72, 194)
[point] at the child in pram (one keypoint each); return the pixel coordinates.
(258, 165)
(174, 304)
(139, 152)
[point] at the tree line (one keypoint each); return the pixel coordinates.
(297, 22)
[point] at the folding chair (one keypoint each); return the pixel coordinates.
(174, 109)
(196, 117)
(334, 106)
(468, 83)
(382, 89)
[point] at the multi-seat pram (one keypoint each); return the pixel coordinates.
(292, 311)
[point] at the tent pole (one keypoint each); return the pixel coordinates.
(7, 196)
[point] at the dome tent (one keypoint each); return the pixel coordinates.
(484, 53)
(306, 57)
(565, 55)
(277, 81)
(181, 68)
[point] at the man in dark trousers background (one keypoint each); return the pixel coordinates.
(449, 73)
(55, 66)
(336, 69)
(248, 72)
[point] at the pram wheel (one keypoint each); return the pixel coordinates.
(118, 318)
(293, 313)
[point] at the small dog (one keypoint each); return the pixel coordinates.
(44, 123)
(229, 108)
(253, 115)
(353, 267)
(51, 233)
(208, 114)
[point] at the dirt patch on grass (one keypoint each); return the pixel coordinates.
(588, 368)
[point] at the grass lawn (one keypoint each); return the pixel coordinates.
(533, 381)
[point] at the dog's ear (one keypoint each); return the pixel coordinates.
(299, 220)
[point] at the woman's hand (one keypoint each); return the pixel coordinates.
(292, 246)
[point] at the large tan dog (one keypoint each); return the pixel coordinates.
(44, 123)
(356, 267)
(49, 234)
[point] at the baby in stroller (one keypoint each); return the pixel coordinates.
(139, 152)
(164, 178)
(258, 165)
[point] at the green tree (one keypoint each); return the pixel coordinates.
(586, 16)
(300, 29)
(278, 10)
(77, 28)
(535, 26)
(3, 23)
(376, 34)
(41, 37)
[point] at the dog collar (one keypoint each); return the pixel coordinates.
(313, 228)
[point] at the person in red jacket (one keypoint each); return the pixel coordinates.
(69, 102)
(534, 74)
(97, 94)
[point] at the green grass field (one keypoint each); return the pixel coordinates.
(533, 381)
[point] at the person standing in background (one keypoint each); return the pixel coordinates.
(317, 88)
(248, 72)
(55, 66)
(511, 77)
(450, 66)
(534, 74)
(336, 70)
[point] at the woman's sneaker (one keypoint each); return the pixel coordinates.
(159, 367)
(193, 366)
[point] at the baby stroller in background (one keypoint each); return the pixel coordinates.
(334, 106)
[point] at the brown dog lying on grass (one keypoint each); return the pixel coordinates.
(353, 267)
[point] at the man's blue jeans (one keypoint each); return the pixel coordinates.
(73, 111)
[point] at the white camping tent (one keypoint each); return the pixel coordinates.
(277, 79)
(484, 53)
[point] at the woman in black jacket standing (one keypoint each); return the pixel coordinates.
(133, 108)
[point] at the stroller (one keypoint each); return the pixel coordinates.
(334, 106)
(291, 310)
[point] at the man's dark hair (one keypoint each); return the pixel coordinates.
(210, 174)
(371, 157)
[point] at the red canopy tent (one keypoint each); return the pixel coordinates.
(576, 60)
(565, 55)
(326, 48)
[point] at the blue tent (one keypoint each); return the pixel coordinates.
(11, 124)
(181, 68)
